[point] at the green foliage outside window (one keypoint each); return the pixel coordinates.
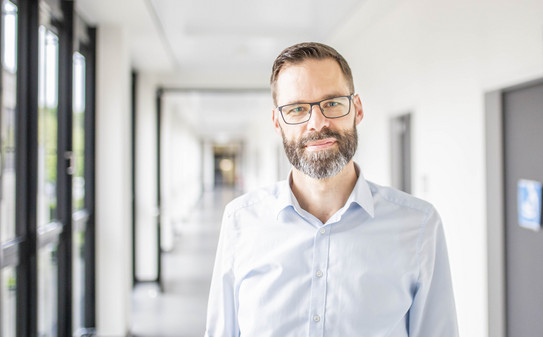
(79, 153)
(47, 142)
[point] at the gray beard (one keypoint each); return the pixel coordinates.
(325, 163)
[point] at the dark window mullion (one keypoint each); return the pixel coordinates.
(133, 182)
(64, 174)
(159, 96)
(26, 163)
(89, 172)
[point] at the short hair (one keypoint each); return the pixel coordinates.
(308, 50)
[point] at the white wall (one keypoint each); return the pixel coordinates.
(113, 218)
(181, 173)
(260, 158)
(181, 168)
(146, 178)
(436, 59)
(208, 166)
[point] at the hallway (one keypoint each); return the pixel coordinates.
(180, 310)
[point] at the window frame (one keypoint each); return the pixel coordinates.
(22, 251)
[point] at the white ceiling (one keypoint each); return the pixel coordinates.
(222, 42)
(219, 36)
(221, 116)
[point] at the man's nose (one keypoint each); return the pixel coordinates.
(317, 120)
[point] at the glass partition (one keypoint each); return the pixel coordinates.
(8, 287)
(47, 181)
(78, 191)
(7, 163)
(37, 280)
(47, 124)
(47, 290)
(7, 123)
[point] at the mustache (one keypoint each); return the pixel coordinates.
(318, 135)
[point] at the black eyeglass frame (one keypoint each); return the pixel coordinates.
(280, 108)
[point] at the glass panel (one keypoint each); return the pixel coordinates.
(9, 29)
(7, 122)
(47, 178)
(78, 190)
(78, 279)
(7, 307)
(47, 126)
(7, 162)
(47, 291)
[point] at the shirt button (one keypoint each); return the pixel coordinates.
(319, 273)
(316, 318)
(322, 231)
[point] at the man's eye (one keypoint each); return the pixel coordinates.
(331, 104)
(296, 110)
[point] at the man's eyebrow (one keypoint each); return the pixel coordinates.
(337, 94)
(322, 99)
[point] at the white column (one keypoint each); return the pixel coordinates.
(113, 216)
(146, 179)
(208, 166)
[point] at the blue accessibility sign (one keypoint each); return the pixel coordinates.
(529, 204)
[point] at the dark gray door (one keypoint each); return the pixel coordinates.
(401, 152)
(523, 135)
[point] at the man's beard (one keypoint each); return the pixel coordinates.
(324, 163)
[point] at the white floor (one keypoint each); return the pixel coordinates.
(180, 310)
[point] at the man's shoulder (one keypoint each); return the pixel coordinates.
(264, 196)
(389, 195)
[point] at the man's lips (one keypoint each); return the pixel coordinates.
(320, 144)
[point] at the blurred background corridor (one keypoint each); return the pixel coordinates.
(127, 125)
(179, 309)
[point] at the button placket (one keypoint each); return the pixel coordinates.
(318, 284)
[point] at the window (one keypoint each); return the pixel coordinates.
(48, 228)
(7, 123)
(38, 125)
(7, 169)
(78, 192)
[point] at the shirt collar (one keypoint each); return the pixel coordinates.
(360, 195)
(285, 198)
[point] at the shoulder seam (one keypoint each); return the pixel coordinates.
(424, 207)
(237, 204)
(422, 229)
(252, 198)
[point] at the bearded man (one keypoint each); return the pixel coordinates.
(326, 252)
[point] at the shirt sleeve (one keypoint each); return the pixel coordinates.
(433, 311)
(222, 308)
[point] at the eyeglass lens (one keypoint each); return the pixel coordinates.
(301, 112)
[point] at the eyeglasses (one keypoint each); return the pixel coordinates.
(298, 113)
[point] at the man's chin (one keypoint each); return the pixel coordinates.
(311, 155)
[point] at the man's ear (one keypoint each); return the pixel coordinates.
(275, 118)
(359, 111)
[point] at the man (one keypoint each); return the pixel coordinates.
(327, 253)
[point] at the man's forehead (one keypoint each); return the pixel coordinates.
(311, 79)
(310, 65)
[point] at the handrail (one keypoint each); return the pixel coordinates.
(10, 253)
(79, 219)
(49, 233)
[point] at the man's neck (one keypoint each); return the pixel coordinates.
(324, 197)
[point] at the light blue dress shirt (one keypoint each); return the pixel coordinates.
(376, 268)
